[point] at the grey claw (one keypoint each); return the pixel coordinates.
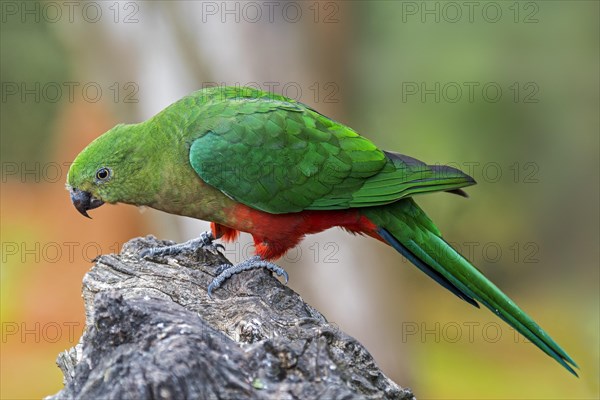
(213, 285)
(214, 248)
(284, 274)
(145, 253)
(207, 242)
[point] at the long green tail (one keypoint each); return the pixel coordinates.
(405, 227)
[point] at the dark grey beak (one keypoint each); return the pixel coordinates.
(84, 201)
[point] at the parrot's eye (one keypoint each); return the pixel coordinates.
(103, 174)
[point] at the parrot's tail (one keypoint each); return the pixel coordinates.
(405, 227)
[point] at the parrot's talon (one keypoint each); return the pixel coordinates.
(204, 241)
(226, 271)
(207, 242)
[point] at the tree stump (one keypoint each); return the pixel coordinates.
(153, 332)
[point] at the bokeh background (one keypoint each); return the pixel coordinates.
(507, 91)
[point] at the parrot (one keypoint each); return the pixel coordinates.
(252, 161)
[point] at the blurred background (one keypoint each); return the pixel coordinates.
(506, 91)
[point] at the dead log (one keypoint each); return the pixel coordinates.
(153, 332)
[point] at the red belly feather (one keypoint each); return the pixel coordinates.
(275, 234)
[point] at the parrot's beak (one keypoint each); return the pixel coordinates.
(84, 201)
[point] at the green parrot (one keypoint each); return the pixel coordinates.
(261, 163)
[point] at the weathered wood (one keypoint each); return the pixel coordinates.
(153, 332)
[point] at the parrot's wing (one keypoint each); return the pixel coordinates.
(280, 156)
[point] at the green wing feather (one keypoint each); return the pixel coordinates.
(280, 156)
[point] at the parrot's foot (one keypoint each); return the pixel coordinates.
(226, 271)
(205, 241)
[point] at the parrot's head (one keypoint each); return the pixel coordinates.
(108, 171)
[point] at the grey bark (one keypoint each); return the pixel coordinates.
(152, 332)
